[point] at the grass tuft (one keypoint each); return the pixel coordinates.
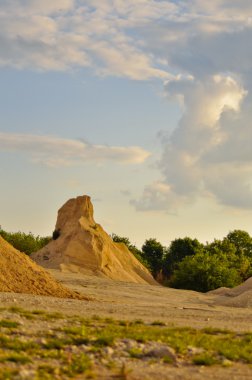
(9, 324)
(205, 359)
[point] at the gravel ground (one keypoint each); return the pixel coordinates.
(122, 300)
(125, 301)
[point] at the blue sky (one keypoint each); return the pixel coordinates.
(145, 105)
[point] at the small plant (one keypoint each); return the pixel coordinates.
(46, 372)
(158, 323)
(123, 323)
(8, 323)
(15, 358)
(8, 374)
(205, 359)
(138, 322)
(136, 352)
(77, 364)
(105, 340)
(167, 359)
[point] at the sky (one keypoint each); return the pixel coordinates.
(145, 105)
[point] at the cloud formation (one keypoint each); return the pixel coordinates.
(199, 49)
(194, 161)
(63, 35)
(138, 39)
(54, 151)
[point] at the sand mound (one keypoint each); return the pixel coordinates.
(84, 247)
(19, 274)
(240, 296)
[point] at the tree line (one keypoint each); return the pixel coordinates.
(185, 264)
(26, 243)
(189, 264)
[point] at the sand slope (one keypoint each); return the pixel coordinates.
(240, 296)
(84, 247)
(18, 273)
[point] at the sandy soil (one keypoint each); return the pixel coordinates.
(18, 273)
(122, 300)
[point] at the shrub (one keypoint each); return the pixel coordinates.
(27, 243)
(203, 272)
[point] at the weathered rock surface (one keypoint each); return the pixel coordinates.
(19, 274)
(84, 247)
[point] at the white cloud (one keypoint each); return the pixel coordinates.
(195, 162)
(114, 37)
(55, 151)
(61, 35)
(201, 49)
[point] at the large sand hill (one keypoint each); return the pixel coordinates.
(19, 274)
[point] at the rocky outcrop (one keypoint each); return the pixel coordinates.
(19, 274)
(81, 245)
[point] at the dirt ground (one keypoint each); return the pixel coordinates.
(149, 303)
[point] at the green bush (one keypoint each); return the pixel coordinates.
(27, 243)
(203, 272)
(189, 264)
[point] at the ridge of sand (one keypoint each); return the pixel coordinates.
(84, 247)
(239, 296)
(18, 273)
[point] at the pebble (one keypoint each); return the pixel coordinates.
(160, 352)
(27, 374)
(195, 350)
(108, 351)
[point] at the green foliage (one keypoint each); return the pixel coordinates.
(15, 358)
(189, 264)
(242, 242)
(153, 253)
(7, 323)
(178, 250)
(27, 243)
(203, 272)
(234, 252)
(205, 359)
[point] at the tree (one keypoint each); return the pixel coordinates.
(27, 243)
(236, 247)
(178, 250)
(242, 241)
(203, 272)
(221, 246)
(153, 253)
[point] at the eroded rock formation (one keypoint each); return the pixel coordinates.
(81, 245)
